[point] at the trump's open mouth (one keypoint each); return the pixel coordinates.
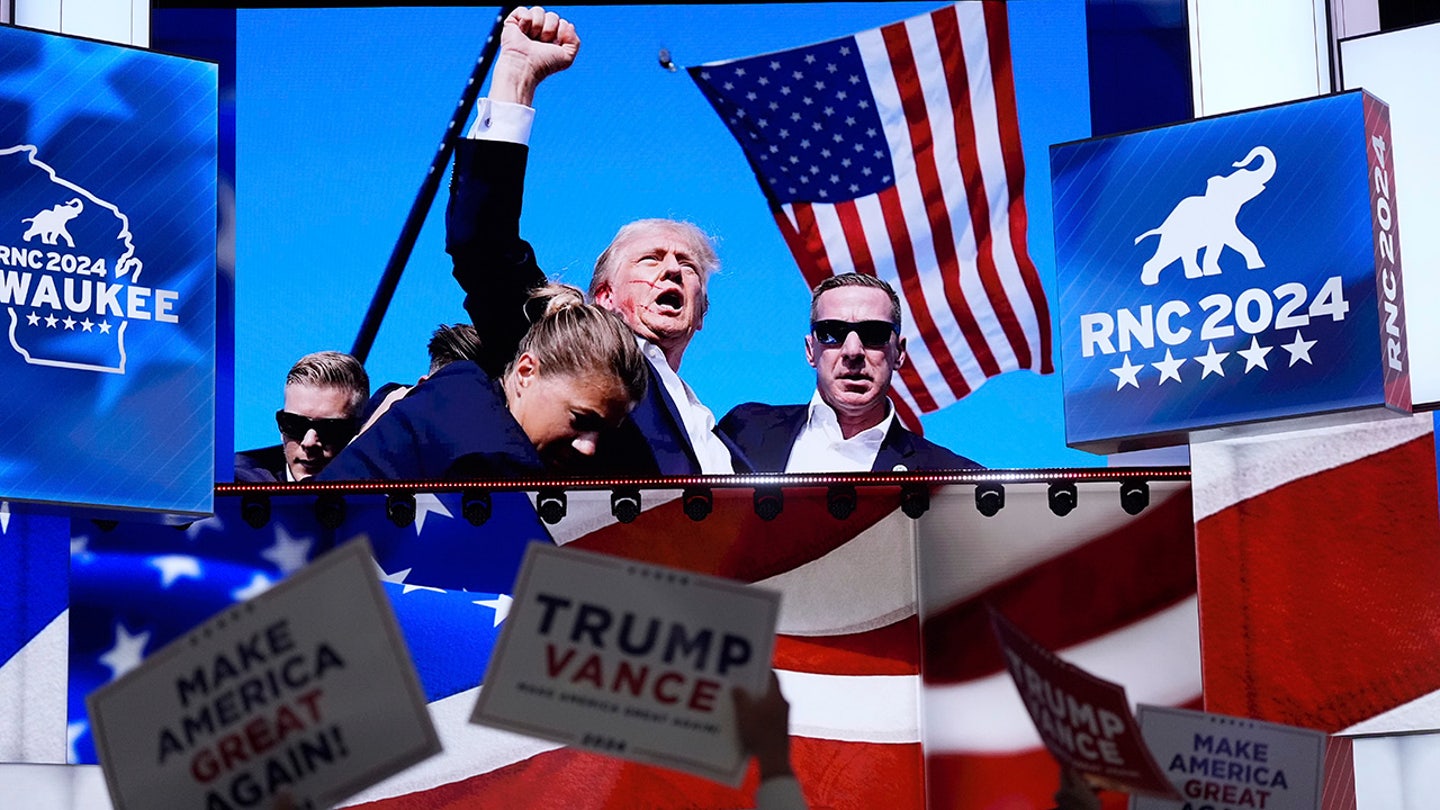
(672, 300)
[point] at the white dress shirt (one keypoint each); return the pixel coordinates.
(502, 121)
(699, 422)
(821, 447)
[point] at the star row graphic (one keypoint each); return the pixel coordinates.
(1212, 362)
(51, 322)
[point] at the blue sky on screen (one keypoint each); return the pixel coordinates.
(339, 112)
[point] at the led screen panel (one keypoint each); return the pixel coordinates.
(107, 274)
(338, 118)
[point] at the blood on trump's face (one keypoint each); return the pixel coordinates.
(657, 286)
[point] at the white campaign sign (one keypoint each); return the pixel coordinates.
(307, 688)
(1219, 762)
(631, 660)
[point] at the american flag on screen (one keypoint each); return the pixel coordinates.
(1112, 593)
(896, 153)
(1336, 530)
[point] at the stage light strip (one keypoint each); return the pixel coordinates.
(1018, 476)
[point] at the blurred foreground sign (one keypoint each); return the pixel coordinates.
(1084, 721)
(628, 659)
(307, 688)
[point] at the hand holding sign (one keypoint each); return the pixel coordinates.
(764, 726)
(1075, 792)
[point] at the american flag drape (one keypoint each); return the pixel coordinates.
(896, 152)
(1108, 592)
(87, 603)
(847, 656)
(1116, 592)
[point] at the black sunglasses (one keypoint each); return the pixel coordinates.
(329, 431)
(872, 334)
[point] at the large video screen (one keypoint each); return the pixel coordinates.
(339, 113)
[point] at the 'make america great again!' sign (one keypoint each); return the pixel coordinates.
(306, 689)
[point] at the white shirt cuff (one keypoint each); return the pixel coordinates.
(502, 121)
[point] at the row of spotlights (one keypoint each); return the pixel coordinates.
(697, 502)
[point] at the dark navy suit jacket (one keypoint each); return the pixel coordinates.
(497, 269)
(766, 433)
(263, 466)
(377, 398)
(452, 426)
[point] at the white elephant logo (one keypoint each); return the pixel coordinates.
(1208, 222)
(50, 224)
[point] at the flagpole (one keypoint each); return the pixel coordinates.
(420, 208)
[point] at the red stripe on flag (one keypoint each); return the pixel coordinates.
(1317, 602)
(890, 650)
(1021, 781)
(832, 774)
(1138, 570)
(914, 292)
(997, 30)
(957, 80)
(809, 268)
(854, 234)
(864, 263)
(810, 241)
(912, 100)
(906, 416)
(573, 778)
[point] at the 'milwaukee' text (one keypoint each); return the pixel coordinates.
(84, 296)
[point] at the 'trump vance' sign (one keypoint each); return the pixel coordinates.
(1227, 270)
(1083, 720)
(630, 660)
